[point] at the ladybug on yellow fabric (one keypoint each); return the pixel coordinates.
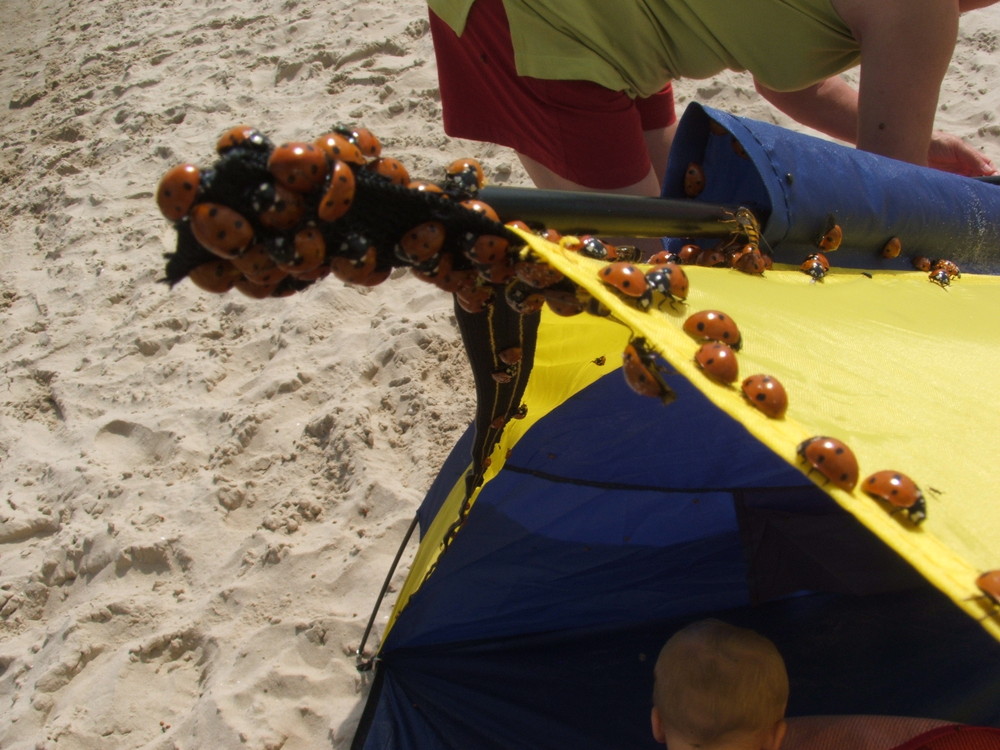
(898, 490)
(766, 394)
(643, 374)
(628, 280)
(713, 325)
(718, 361)
(669, 280)
(831, 458)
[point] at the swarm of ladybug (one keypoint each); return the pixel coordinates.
(816, 265)
(271, 220)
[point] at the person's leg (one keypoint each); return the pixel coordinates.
(545, 178)
(658, 143)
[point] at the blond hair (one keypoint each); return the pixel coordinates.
(713, 679)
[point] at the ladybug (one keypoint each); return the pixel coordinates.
(390, 168)
(898, 490)
(628, 280)
(551, 235)
(767, 394)
(284, 211)
(921, 263)
(254, 290)
(337, 146)
(502, 376)
(688, 254)
(713, 325)
(177, 191)
(217, 276)
(220, 229)
(669, 280)
(354, 271)
(718, 361)
(940, 277)
(522, 298)
(448, 279)
(511, 355)
(591, 247)
(949, 267)
(713, 258)
(421, 243)
(301, 167)
(537, 273)
(892, 248)
(643, 374)
(475, 299)
(831, 458)
(258, 266)
(496, 273)
(366, 141)
(629, 253)
(831, 238)
(694, 180)
(481, 208)
(752, 261)
(488, 249)
(989, 584)
(816, 266)
(340, 194)
(663, 257)
(423, 186)
(466, 175)
(242, 135)
(563, 302)
(308, 251)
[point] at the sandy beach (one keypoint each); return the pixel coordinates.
(202, 494)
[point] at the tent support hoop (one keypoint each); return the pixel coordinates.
(365, 665)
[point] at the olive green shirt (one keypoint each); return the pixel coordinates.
(636, 46)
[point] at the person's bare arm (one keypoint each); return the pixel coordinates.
(906, 46)
(831, 107)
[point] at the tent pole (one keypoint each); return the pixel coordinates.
(610, 214)
(365, 665)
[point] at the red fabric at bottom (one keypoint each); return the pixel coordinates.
(955, 737)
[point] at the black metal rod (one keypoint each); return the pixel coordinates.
(610, 214)
(365, 665)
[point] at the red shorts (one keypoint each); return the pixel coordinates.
(580, 130)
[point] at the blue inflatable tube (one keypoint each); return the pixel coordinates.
(797, 183)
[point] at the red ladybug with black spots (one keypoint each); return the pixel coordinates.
(898, 490)
(669, 280)
(178, 190)
(628, 280)
(643, 374)
(766, 394)
(713, 325)
(831, 458)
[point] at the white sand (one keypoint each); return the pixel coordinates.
(201, 495)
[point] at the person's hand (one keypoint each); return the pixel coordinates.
(951, 154)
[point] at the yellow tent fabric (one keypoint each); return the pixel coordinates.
(903, 371)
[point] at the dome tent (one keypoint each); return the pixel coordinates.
(604, 521)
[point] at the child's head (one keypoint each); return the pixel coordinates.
(717, 685)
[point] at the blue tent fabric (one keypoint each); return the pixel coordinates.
(794, 182)
(548, 608)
